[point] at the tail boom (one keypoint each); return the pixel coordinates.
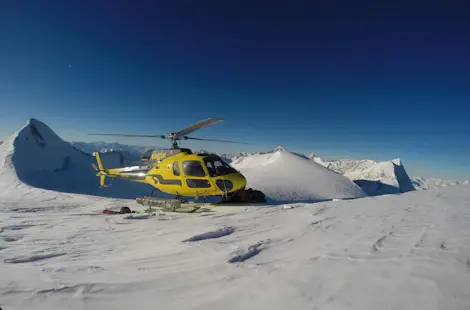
(129, 173)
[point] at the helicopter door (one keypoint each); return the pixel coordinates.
(195, 175)
(167, 177)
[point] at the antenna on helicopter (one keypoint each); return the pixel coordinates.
(177, 136)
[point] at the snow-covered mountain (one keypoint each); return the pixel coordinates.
(36, 156)
(421, 183)
(391, 174)
(286, 176)
(130, 152)
(376, 178)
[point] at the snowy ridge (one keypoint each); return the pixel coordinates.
(133, 152)
(421, 183)
(376, 178)
(361, 169)
(37, 157)
(285, 176)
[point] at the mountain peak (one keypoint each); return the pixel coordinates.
(36, 156)
(279, 149)
(287, 176)
(33, 121)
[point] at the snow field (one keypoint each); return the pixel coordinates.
(409, 251)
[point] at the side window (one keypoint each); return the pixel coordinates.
(176, 169)
(198, 183)
(193, 168)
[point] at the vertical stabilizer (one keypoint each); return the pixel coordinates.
(101, 171)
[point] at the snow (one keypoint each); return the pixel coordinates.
(375, 178)
(408, 251)
(285, 176)
(36, 156)
(102, 147)
(422, 183)
(387, 177)
(59, 251)
(130, 152)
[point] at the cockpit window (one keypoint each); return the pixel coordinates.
(217, 166)
(193, 168)
(176, 169)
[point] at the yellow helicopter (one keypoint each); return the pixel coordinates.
(180, 172)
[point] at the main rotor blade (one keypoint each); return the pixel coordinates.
(127, 135)
(197, 126)
(215, 140)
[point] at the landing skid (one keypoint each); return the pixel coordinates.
(169, 204)
(243, 197)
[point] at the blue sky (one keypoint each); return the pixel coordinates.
(354, 78)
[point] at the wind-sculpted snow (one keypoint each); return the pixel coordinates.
(284, 176)
(31, 258)
(212, 234)
(406, 251)
(242, 255)
(37, 157)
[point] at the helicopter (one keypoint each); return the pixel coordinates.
(180, 172)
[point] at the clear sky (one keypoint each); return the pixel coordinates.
(361, 79)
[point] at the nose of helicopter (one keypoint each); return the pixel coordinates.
(231, 182)
(239, 181)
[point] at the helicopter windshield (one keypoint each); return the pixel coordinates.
(217, 167)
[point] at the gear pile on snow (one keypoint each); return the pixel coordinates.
(123, 210)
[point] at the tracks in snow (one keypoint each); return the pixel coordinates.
(321, 222)
(12, 233)
(400, 242)
(355, 234)
(405, 232)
